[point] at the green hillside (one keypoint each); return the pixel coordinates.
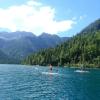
(84, 48)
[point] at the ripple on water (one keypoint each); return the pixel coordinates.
(28, 83)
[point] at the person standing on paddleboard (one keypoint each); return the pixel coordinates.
(50, 67)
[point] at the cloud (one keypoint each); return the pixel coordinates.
(35, 17)
(82, 17)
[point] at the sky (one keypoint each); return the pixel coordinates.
(61, 17)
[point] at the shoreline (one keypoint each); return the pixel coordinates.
(65, 66)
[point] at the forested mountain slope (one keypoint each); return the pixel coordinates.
(84, 48)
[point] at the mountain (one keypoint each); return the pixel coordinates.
(5, 59)
(15, 35)
(84, 48)
(18, 45)
(50, 40)
(92, 27)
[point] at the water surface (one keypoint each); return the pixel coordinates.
(20, 82)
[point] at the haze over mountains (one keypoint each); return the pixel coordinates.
(18, 45)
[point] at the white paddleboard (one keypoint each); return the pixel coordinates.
(82, 71)
(50, 73)
(36, 68)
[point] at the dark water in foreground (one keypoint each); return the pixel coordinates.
(30, 83)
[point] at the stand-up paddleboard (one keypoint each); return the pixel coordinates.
(81, 71)
(50, 73)
(36, 68)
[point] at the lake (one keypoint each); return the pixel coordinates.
(21, 82)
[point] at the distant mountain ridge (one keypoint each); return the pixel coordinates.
(15, 35)
(18, 45)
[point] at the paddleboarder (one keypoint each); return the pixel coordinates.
(50, 67)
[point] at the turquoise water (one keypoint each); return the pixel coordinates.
(19, 82)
